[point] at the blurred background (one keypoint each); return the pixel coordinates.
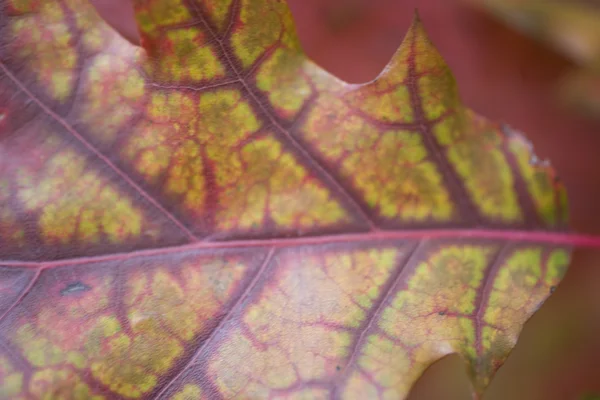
(534, 64)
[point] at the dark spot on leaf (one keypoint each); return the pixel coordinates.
(338, 368)
(557, 179)
(74, 287)
(552, 289)
(442, 313)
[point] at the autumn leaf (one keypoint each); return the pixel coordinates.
(571, 27)
(215, 216)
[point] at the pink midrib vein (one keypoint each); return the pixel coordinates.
(539, 237)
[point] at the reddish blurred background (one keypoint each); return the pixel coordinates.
(506, 77)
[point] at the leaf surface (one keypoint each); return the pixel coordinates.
(214, 216)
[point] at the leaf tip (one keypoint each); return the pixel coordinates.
(416, 48)
(416, 18)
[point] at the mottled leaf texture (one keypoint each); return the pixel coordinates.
(214, 216)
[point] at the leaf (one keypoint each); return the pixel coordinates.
(581, 89)
(590, 397)
(214, 216)
(570, 26)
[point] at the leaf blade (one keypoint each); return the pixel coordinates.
(260, 154)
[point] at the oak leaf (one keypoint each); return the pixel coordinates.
(214, 216)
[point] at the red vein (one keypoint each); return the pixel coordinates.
(524, 195)
(291, 140)
(314, 163)
(195, 88)
(23, 294)
(467, 209)
(221, 323)
(98, 154)
(564, 239)
(483, 295)
(383, 303)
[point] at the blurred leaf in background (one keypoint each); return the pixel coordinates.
(591, 397)
(571, 27)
